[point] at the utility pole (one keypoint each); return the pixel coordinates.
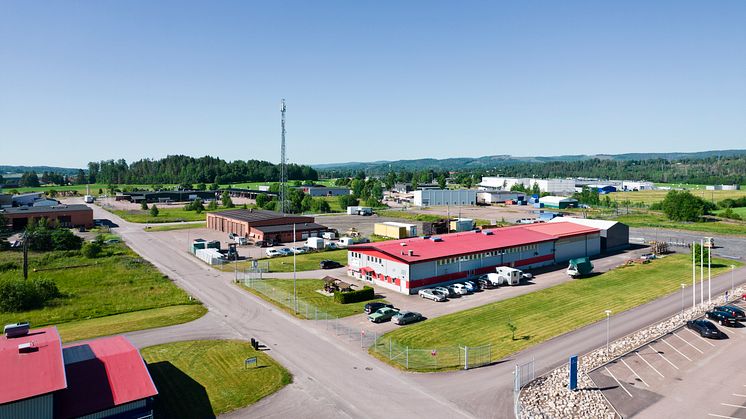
(295, 290)
(701, 271)
(25, 256)
(283, 167)
(694, 277)
(709, 275)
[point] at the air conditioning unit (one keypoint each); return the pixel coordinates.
(27, 347)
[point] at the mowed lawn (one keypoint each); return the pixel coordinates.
(171, 227)
(165, 215)
(740, 211)
(306, 289)
(658, 220)
(304, 262)
(544, 314)
(203, 378)
(651, 197)
(96, 293)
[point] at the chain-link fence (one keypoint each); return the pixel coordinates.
(448, 357)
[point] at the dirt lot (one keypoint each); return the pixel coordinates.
(496, 213)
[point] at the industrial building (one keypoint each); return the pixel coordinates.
(395, 230)
(101, 378)
(77, 215)
(614, 235)
(453, 197)
(315, 191)
(264, 225)
(166, 196)
(499, 197)
(559, 202)
(26, 199)
(723, 187)
(552, 186)
(411, 264)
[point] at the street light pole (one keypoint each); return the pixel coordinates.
(608, 316)
(295, 290)
(731, 279)
(694, 277)
(709, 275)
(701, 271)
(682, 298)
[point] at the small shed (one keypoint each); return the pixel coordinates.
(559, 202)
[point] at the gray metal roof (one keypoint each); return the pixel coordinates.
(289, 227)
(41, 210)
(256, 215)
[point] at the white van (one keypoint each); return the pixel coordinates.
(505, 275)
(315, 243)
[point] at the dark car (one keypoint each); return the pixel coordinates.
(736, 312)
(329, 264)
(263, 243)
(705, 328)
(722, 317)
(373, 307)
(485, 284)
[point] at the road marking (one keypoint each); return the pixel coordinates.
(633, 372)
(721, 416)
(739, 395)
(733, 405)
(687, 342)
(676, 350)
(661, 355)
(618, 382)
(700, 337)
(646, 361)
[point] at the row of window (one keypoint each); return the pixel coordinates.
(491, 253)
(368, 258)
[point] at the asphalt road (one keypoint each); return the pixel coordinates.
(333, 378)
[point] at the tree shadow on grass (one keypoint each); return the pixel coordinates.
(179, 396)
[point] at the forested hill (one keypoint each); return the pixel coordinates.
(38, 169)
(185, 169)
(500, 161)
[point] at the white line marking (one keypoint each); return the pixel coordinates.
(676, 350)
(617, 381)
(700, 338)
(687, 342)
(720, 416)
(739, 395)
(633, 372)
(646, 361)
(733, 405)
(661, 355)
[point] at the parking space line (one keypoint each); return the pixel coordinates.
(739, 395)
(633, 372)
(649, 365)
(733, 405)
(677, 350)
(701, 338)
(688, 343)
(721, 416)
(661, 355)
(618, 382)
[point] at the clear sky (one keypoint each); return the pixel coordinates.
(368, 80)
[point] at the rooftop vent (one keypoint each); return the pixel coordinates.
(436, 239)
(425, 237)
(411, 252)
(487, 232)
(15, 330)
(403, 244)
(27, 347)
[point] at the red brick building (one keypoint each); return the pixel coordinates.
(77, 215)
(264, 225)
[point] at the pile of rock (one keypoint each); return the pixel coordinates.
(548, 396)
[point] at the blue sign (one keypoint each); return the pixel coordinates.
(573, 373)
(249, 361)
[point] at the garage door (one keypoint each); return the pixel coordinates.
(304, 236)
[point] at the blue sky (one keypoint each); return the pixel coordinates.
(368, 80)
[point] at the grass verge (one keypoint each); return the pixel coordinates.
(657, 195)
(172, 227)
(304, 262)
(204, 378)
(278, 289)
(542, 315)
(165, 215)
(410, 215)
(657, 220)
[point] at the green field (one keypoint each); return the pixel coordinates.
(306, 289)
(740, 211)
(94, 290)
(203, 378)
(172, 227)
(409, 215)
(547, 313)
(651, 197)
(658, 220)
(304, 262)
(81, 189)
(165, 215)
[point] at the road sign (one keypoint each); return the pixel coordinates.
(249, 361)
(573, 373)
(434, 353)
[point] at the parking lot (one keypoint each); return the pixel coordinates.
(679, 375)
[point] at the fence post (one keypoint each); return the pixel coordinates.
(466, 357)
(315, 313)
(389, 349)
(407, 350)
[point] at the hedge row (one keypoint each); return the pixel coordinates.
(365, 294)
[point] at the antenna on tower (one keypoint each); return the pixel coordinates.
(283, 167)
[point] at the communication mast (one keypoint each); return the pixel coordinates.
(283, 166)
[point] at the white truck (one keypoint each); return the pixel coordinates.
(329, 235)
(349, 241)
(88, 199)
(316, 243)
(505, 275)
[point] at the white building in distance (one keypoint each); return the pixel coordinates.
(552, 186)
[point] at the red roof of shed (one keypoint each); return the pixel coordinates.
(34, 373)
(469, 242)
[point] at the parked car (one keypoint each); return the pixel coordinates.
(382, 314)
(406, 317)
(331, 245)
(329, 264)
(705, 328)
(232, 236)
(722, 317)
(527, 276)
(489, 280)
(432, 294)
(485, 284)
(472, 286)
(736, 312)
(447, 292)
(285, 251)
(273, 252)
(375, 306)
(299, 250)
(264, 243)
(459, 288)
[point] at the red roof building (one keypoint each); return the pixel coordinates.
(408, 265)
(106, 377)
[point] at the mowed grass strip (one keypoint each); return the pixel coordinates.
(657, 195)
(203, 378)
(172, 227)
(544, 314)
(306, 289)
(121, 282)
(165, 215)
(304, 262)
(658, 220)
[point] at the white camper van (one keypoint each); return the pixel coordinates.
(505, 275)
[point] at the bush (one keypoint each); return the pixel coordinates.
(154, 211)
(21, 295)
(64, 239)
(683, 206)
(365, 294)
(92, 250)
(9, 266)
(347, 201)
(144, 205)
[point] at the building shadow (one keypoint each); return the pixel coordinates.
(179, 395)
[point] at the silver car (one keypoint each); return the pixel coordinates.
(447, 292)
(431, 294)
